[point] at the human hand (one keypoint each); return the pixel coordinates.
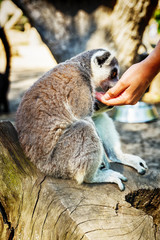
(129, 89)
(134, 82)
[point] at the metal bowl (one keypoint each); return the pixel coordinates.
(138, 113)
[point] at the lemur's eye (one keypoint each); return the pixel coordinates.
(114, 73)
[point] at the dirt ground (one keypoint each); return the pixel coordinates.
(142, 139)
(31, 58)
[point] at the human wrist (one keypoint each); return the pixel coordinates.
(152, 62)
(150, 68)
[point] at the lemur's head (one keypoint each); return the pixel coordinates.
(105, 70)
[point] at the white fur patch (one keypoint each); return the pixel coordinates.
(100, 73)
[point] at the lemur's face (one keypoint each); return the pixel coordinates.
(105, 70)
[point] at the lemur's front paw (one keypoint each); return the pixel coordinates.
(116, 177)
(137, 163)
(141, 166)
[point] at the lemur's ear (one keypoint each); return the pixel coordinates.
(101, 59)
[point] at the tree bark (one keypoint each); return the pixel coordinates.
(70, 27)
(34, 206)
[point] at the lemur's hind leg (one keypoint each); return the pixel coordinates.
(82, 160)
(109, 176)
(110, 138)
(104, 174)
(78, 152)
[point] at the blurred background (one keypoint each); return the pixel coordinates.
(42, 33)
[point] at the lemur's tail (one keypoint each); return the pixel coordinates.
(7, 52)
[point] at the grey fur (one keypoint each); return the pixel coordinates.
(55, 125)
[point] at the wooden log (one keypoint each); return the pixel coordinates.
(35, 206)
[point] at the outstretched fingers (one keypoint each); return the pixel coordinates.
(114, 96)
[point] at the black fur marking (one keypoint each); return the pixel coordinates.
(114, 62)
(101, 59)
(101, 106)
(4, 77)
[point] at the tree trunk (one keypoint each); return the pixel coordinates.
(71, 27)
(34, 206)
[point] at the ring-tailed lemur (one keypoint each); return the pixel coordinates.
(64, 130)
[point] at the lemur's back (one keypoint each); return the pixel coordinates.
(55, 101)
